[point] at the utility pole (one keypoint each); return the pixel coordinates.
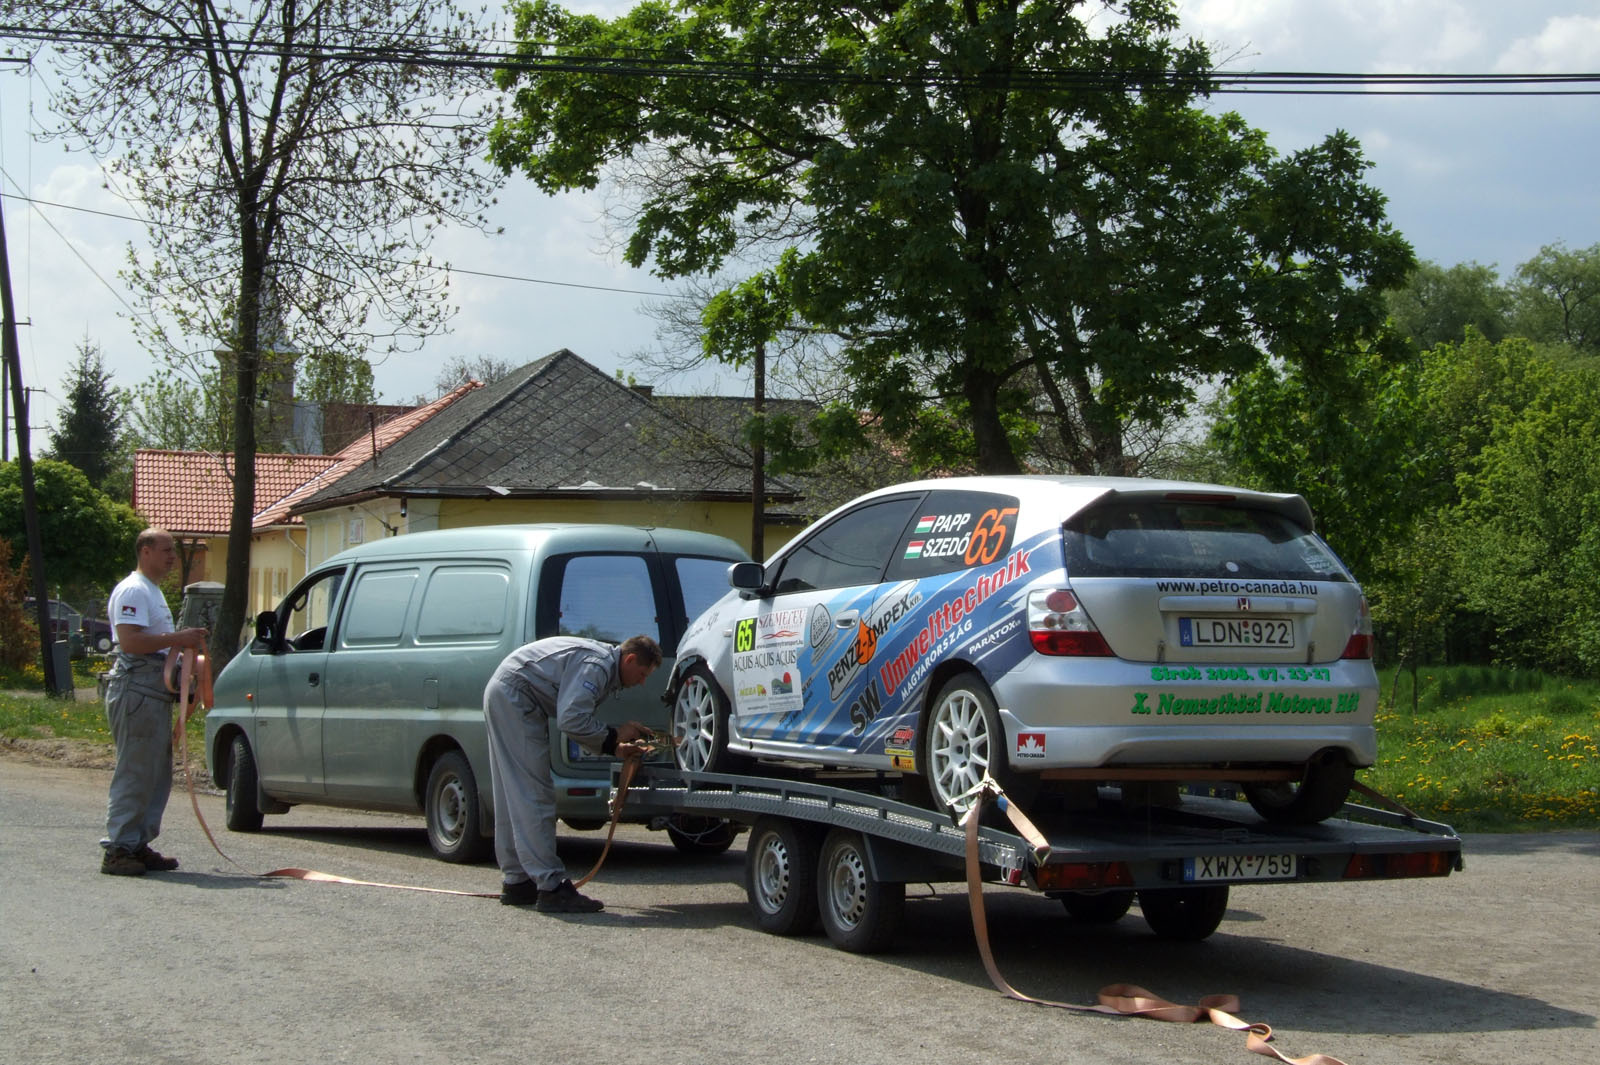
(30, 512)
(758, 460)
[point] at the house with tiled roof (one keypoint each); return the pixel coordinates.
(556, 440)
(190, 494)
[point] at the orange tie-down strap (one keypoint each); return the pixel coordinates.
(1128, 1000)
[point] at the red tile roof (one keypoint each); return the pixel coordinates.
(360, 450)
(190, 493)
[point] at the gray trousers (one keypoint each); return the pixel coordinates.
(141, 728)
(524, 793)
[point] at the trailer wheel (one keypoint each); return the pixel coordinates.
(700, 724)
(1097, 907)
(780, 875)
(1316, 797)
(1188, 914)
(963, 742)
(860, 913)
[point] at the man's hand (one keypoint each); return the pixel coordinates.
(633, 730)
(190, 638)
(631, 750)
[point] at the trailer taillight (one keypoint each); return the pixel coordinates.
(1394, 866)
(1083, 876)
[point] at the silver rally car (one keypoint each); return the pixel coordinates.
(1051, 632)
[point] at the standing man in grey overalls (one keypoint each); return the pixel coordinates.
(139, 709)
(560, 679)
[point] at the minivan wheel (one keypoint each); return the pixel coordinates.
(701, 837)
(700, 724)
(963, 742)
(451, 809)
(241, 805)
(1315, 797)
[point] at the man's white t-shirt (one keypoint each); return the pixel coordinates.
(137, 601)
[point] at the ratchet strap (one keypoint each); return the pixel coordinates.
(630, 766)
(1127, 1000)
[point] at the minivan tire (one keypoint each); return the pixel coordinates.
(242, 804)
(451, 808)
(1316, 796)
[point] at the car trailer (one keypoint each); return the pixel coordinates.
(832, 846)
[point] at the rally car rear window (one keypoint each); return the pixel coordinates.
(1206, 539)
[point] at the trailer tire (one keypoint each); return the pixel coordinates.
(1188, 914)
(1316, 796)
(962, 741)
(860, 913)
(780, 875)
(1097, 907)
(700, 724)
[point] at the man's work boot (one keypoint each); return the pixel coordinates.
(155, 861)
(564, 898)
(523, 893)
(119, 861)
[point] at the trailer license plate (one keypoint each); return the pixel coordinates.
(1240, 867)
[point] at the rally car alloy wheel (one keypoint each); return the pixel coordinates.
(964, 743)
(700, 724)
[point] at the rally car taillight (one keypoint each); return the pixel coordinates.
(1360, 642)
(1058, 625)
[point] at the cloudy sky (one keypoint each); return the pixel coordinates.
(1489, 179)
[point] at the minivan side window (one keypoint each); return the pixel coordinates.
(376, 612)
(703, 581)
(303, 616)
(606, 597)
(464, 604)
(851, 550)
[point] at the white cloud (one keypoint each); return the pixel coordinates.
(1567, 44)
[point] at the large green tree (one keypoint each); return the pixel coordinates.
(1557, 297)
(87, 536)
(1437, 304)
(90, 430)
(1010, 212)
(294, 160)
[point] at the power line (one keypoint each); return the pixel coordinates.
(646, 64)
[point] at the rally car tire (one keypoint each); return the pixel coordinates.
(961, 742)
(860, 913)
(1187, 914)
(780, 875)
(1316, 796)
(700, 724)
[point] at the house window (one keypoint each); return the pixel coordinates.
(358, 531)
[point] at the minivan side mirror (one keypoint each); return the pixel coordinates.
(747, 577)
(266, 632)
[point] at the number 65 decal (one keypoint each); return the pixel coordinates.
(991, 536)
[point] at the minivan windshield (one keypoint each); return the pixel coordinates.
(1201, 539)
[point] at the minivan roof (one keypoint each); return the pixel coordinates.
(529, 537)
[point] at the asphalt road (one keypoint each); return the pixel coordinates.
(1497, 965)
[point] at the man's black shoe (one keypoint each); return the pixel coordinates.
(564, 898)
(154, 860)
(522, 893)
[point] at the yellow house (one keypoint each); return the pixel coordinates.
(556, 440)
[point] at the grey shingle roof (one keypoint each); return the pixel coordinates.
(557, 426)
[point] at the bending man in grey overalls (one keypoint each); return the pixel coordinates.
(560, 679)
(139, 709)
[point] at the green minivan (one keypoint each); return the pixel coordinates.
(364, 688)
